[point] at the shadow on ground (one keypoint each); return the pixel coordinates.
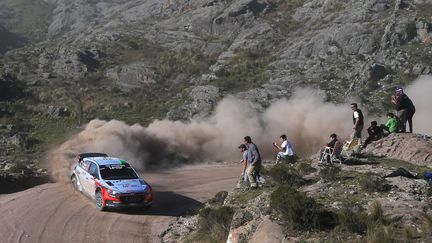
(167, 203)
(16, 183)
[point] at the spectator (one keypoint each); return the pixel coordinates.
(285, 149)
(358, 120)
(391, 125)
(404, 108)
(254, 162)
(375, 132)
(243, 161)
(329, 148)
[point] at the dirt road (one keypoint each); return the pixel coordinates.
(53, 212)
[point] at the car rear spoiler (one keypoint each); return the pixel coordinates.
(80, 157)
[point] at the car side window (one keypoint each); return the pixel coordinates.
(93, 170)
(84, 164)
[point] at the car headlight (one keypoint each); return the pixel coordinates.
(113, 193)
(144, 185)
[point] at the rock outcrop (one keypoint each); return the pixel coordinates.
(329, 45)
(415, 148)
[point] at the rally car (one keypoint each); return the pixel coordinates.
(111, 182)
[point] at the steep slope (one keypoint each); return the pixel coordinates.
(329, 45)
(177, 59)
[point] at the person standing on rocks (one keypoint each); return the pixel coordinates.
(404, 108)
(243, 161)
(358, 121)
(254, 162)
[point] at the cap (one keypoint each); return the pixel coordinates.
(398, 88)
(242, 146)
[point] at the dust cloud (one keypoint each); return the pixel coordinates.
(305, 118)
(420, 92)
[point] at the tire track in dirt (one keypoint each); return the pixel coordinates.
(54, 212)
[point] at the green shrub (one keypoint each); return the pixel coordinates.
(244, 196)
(19, 168)
(219, 198)
(411, 30)
(378, 233)
(329, 173)
(352, 218)
(305, 168)
(284, 174)
(427, 224)
(373, 183)
(190, 62)
(247, 70)
(377, 215)
(298, 210)
(214, 224)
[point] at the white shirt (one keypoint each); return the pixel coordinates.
(287, 148)
(356, 114)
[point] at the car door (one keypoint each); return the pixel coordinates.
(80, 172)
(90, 177)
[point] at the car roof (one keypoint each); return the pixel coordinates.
(106, 160)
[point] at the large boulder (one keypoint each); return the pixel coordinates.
(268, 231)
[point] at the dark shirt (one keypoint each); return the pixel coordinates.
(361, 118)
(332, 143)
(375, 132)
(403, 102)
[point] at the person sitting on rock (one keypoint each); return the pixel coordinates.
(285, 150)
(375, 132)
(391, 125)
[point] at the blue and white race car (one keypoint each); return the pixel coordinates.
(111, 182)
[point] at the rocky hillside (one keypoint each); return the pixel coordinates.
(357, 201)
(137, 60)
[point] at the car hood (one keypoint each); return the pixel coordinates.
(127, 186)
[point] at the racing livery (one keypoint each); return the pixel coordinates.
(111, 182)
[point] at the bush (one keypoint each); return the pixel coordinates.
(381, 233)
(329, 173)
(427, 224)
(19, 168)
(411, 30)
(245, 71)
(285, 174)
(298, 210)
(214, 224)
(377, 215)
(372, 183)
(352, 218)
(219, 198)
(305, 168)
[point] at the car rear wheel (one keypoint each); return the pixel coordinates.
(99, 201)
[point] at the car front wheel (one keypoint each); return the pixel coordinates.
(75, 183)
(99, 201)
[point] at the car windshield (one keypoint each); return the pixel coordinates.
(118, 173)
